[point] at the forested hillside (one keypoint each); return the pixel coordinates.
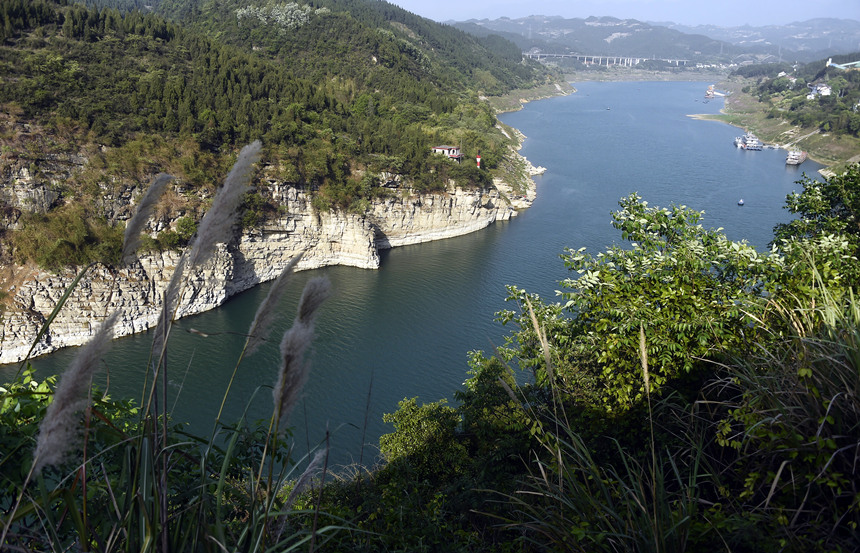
(813, 95)
(339, 44)
(338, 93)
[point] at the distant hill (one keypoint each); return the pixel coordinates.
(345, 41)
(805, 41)
(811, 39)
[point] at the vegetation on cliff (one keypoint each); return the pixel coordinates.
(347, 92)
(687, 390)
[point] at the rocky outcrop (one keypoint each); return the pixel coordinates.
(327, 238)
(34, 168)
(31, 186)
(401, 221)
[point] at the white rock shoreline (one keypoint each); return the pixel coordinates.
(327, 238)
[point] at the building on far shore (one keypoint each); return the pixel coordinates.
(453, 152)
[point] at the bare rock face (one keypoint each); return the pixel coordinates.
(136, 291)
(327, 238)
(33, 169)
(413, 219)
(36, 168)
(31, 188)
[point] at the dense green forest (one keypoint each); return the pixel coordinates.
(784, 88)
(336, 97)
(411, 44)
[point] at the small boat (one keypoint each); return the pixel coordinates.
(795, 157)
(741, 201)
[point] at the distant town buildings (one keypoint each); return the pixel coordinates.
(791, 78)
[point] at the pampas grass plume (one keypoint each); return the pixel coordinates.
(131, 237)
(300, 486)
(217, 225)
(643, 357)
(305, 478)
(168, 310)
(315, 293)
(267, 312)
(294, 370)
(59, 430)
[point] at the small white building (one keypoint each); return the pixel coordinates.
(821, 89)
(453, 152)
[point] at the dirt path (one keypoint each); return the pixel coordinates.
(804, 137)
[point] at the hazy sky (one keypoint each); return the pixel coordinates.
(689, 12)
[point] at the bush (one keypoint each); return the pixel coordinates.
(425, 438)
(67, 236)
(795, 425)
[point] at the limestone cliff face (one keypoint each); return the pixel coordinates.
(414, 219)
(330, 238)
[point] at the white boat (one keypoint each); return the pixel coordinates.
(748, 141)
(741, 201)
(795, 157)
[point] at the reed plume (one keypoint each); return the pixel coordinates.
(168, 309)
(302, 483)
(131, 237)
(643, 357)
(266, 313)
(294, 370)
(216, 227)
(59, 429)
(315, 293)
(300, 486)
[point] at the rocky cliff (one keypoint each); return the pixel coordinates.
(328, 238)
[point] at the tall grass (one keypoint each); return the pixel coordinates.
(137, 483)
(570, 502)
(767, 458)
(794, 423)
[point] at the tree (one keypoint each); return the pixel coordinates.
(424, 437)
(825, 207)
(693, 292)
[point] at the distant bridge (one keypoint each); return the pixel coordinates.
(852, 65)
(624, 61)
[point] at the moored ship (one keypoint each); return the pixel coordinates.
(748, 141)
(795, 157)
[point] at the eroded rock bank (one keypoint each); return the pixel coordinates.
(258, 255)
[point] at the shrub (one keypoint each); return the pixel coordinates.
(795, 425)
(425, 438)
(67, 236)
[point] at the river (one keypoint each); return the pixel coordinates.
(405, 329)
